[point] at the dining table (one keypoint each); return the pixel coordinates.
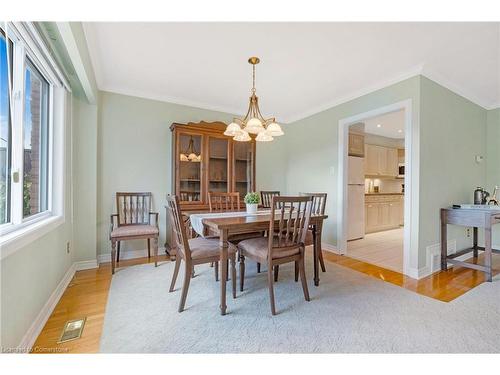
(227, 224)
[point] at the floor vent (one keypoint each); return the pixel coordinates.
(72, 330)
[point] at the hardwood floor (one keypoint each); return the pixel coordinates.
(87, 294)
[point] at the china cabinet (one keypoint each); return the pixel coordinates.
(206, 160)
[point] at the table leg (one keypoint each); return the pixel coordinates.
(474, 238)
(223, 264)
(444, 243)
(487, 252)
(316, 248)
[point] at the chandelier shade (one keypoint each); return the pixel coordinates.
(253, 122)
(190, 153)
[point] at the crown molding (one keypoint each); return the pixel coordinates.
(415, 71)
(418, 70)
(168, 99)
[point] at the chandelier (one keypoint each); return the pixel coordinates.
(253, 122)
(190, 154)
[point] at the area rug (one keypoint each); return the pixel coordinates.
(349, 313)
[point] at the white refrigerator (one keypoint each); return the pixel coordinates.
(355, 198)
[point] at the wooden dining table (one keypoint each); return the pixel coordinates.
(227, 226)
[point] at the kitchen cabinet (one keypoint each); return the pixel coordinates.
(381, 161)
(383, 212)
(356, 145)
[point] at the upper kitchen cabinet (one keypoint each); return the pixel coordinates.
(381, 161)
(356, 144)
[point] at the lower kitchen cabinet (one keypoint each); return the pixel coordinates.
(383, 212)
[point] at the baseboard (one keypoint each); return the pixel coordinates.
(131, 254)
(86, 265)
(31, 335)
(330, 248)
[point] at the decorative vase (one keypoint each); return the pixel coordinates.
(252, 208)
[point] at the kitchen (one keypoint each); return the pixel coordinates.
(376, 168)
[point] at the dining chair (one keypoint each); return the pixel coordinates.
(266, 198)
(318, 208)
(133, 221)
(227, 202)
(223, 201)
(285, 241)
(194, 251)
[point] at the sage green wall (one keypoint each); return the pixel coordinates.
(134, 154)
(85, 180)
(493, 160)
(452, 133)
(31, 274)
(312, 165)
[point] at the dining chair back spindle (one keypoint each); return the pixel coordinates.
(223, 201)
(266, 198)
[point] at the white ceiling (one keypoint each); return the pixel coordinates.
(390, 125)
(305, 67)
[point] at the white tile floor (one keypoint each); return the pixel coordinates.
(384, 249)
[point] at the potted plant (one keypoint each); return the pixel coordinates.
(252, 200)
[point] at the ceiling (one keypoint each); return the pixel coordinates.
(391, 125)
(305, 67)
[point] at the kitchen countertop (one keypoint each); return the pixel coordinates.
(384, 193)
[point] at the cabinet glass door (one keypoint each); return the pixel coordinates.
(243, 167)
(218, 165)
(189, 167)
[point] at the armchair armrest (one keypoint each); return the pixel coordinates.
(155, 214)
(112, 223)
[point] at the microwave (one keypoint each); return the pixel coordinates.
(401, 170)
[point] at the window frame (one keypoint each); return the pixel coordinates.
(21, 230)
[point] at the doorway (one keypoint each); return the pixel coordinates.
(375, 187)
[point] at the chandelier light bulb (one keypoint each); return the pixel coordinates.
(264, 137)
(232, 129)
(274, 130)
(254, 126)
(242, 136)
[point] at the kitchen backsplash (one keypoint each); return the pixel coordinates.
(385, 185)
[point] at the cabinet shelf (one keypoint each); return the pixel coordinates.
(189, 180)
(218, 157)
(218, 181)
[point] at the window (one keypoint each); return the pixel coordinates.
(5, 132)
(31, 134)
(35, 155)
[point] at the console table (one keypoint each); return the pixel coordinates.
(476, 218)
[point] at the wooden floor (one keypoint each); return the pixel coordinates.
(87, 294)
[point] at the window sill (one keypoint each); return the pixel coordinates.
(13, 241)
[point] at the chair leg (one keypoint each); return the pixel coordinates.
(242, 272)
(216, 270)
(271, 289)
(302, 271)
(296, 271)
(276, 271)
(233, 274)
(118, 254)
(258, 267)
(321, 261)
(113, 255)
(176, 272)
(185, 286)
(155, 248)
(227, 268)
(149, 249)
